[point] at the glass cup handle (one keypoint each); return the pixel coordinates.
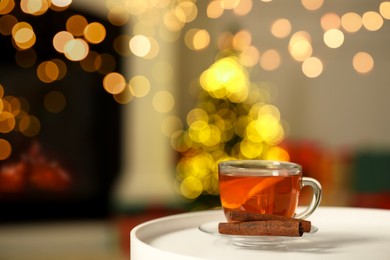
(316, 199)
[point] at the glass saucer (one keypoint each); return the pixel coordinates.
(252, 241)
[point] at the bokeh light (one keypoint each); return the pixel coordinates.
(197, 39)
(94, 33)
(312, 67)
(270, 60)
(372, 21)
(114, 83)
(163, 101)
(5, 149)
(139, 86)
(333, 38)
(76, 49)
(384, 9)
(140, 45)
(351, 22)
(330, 21)
(363, 62)
(312, 4)
(281, 28)
(76, 25)
(23, 35)
(300, 47)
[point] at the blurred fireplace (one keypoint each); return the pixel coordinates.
(67, 170)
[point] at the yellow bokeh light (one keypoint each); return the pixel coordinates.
(114, 83)
(250, 56)
(139, 86)
(140, 45)
(333, 38)
(372, 21)
(242, 40)
(226, 78)
(7, 122)
(6, 6)
(300, 47)
(197, 39)
(214, 138)
(312, 67)
(5, 149)
(281, 28)
(163, 101)
(330, 21)
(23, 35)
(243, 7)
(199, 131)
(312, 4)
(61, 3)
(34, 7)
(171, 22)
(60, 39)
(270, 60)
(95, 33)
(76, 25)
(384, 9)
(363, 62)
(197, 114)
(201, 40)
(154, 49)
(191, 187)
(48, 71)
(351, 22)
(229, 4)
(252, 132)
(186, 11)
(76, 49)
(215, 9)
(251, 150)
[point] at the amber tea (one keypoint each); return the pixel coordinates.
(266, 187)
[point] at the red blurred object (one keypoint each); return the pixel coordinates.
(371, 200)
(33, 172)
(13, 177)
(45, 175)
(49, 177)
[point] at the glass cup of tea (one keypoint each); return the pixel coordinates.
(265, 187)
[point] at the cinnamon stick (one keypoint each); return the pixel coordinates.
(243, 216)
(262, 228)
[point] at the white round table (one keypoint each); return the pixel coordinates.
(343, 233)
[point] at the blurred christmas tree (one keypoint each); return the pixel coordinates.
(232, 120)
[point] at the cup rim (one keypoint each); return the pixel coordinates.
(259, 167)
